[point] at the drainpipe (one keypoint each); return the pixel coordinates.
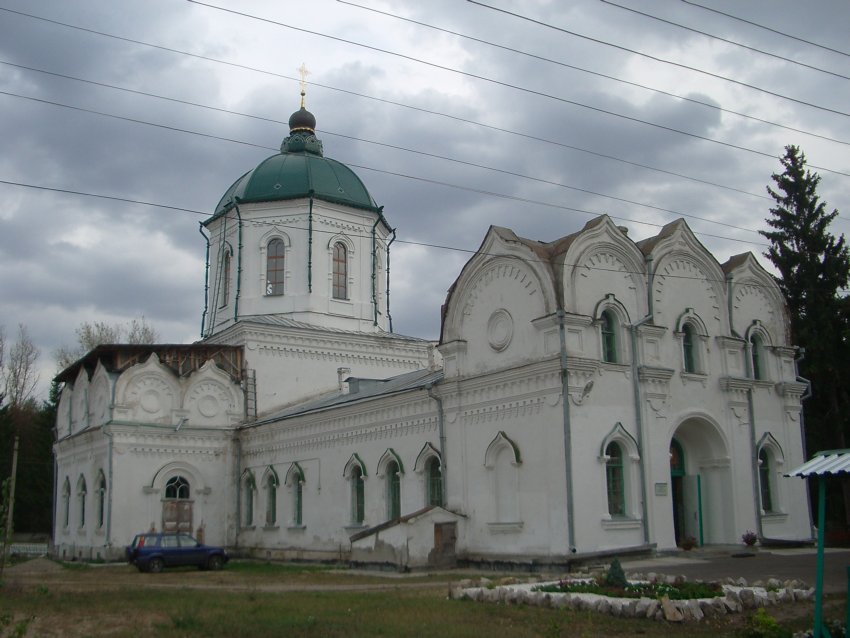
(754, 457)
(238, 442)
(238, 265)
(107, 430)
(206, 277)
(639, 423)
(568, 452)
(389, 316)
(441, 427)
(375, 273)
(806, 395)
(310, 245)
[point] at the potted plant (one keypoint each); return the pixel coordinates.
(749, 537)
(688, 543)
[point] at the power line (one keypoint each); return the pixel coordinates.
(324, 131)
(525, 90)
(727, 41)
(595, 73)
(657, 59)
(766, 28)
(277, 224)
(418, 109)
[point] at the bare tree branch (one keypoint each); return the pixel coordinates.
(21, 375)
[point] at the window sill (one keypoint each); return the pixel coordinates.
(354, 527)
(246, 528)
(505, 528)
(774, 517)
(270, 528)
(616, 523)
(296, 528)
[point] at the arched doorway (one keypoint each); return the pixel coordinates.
(177, 506)
(701, 487)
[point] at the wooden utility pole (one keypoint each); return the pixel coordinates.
(11, 512)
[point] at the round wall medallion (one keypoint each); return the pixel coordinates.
(500, 330)
(208, 406)
(150, 401)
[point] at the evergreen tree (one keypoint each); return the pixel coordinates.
(814, 269)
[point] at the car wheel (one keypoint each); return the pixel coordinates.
(215, 563)
(155, 565)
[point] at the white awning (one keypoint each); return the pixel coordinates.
(824, 463)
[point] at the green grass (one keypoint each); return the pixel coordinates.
(270, 568)
(261, 599)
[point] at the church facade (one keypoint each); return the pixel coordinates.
(588, 395)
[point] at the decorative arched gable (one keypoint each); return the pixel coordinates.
(756, 296)
(602, 259)
(501, 256)
(619, 434)
(100, 396)
(758, 328)
(270, 474)
(212, 398)
(147, 393)
(80, 401)
(196, 478)
(686, 274)
(769, 441)
(500, 441)
(352, 461)
(386, 458)
(63, 418)
(295, 474)
(427, 452)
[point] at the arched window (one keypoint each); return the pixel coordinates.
(295, 483)
(609, 336)
(225, 278)
(757, 356)
(393, 491)
(177, 488)
(66, 502)
(689, 348)
(340, 271)
(271, 499)
(81, 495)
(100, 489)
(434, 484)
(358, 496)
(765, 469)
(275, 262)
(615, 480)
(249, 488)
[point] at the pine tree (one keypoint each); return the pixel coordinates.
(814, 269)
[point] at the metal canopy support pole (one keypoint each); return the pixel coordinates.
(819, 629)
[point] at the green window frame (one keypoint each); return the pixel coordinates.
(434, 478)
(609, 337)
(764, 481)
(615, 480)
(393, 491)
(275, 266)
(340, 271)
(225, 278)
(249, 486)
(297, 502)
(66, 498)
(271, 500)
(81, 495)
(101, 499)
(358, 496)
(756, 352)
(689, 348)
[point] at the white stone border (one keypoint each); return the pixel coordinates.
(738, 597)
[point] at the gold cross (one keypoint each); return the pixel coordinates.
(303, 72)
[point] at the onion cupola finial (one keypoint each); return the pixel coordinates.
(302, 119)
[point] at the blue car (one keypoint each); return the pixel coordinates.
(153, 551)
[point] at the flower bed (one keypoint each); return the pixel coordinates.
(636, 589)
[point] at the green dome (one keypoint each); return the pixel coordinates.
(299, 170)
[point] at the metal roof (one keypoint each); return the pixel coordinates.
(824, 463)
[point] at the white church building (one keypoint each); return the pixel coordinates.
(588, 395)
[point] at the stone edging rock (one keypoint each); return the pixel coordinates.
(738, 597)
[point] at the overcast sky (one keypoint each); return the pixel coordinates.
(533, 115)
